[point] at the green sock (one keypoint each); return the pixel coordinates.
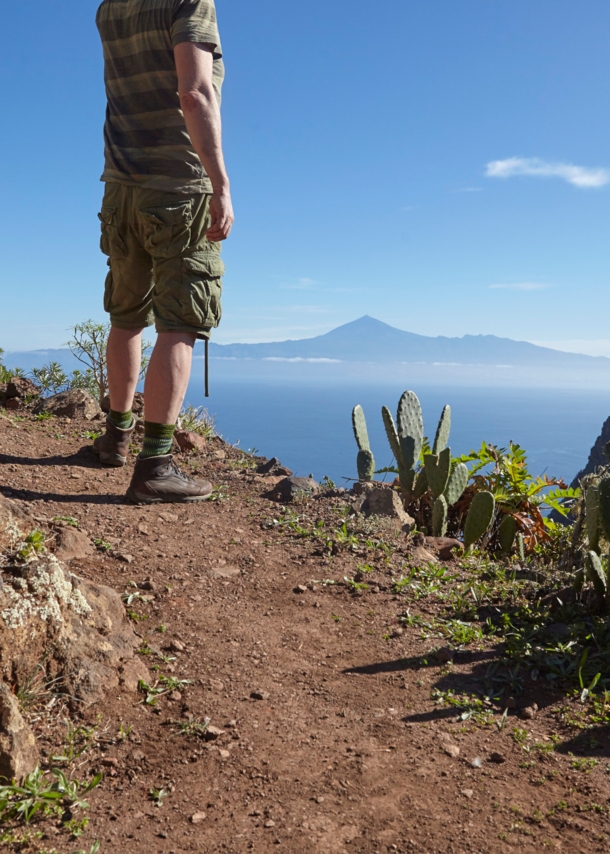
(157, 439)
(122, 420)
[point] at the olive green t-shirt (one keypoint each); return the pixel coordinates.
(145, 136)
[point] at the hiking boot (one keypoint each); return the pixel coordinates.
(158, 480)
(113, 447)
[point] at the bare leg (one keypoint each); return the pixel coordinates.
(167, 376)
(123, 360)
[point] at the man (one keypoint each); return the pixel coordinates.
(166, 206)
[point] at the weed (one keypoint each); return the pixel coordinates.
(75, 827)
(90, 434)
(162, 628)
(77, 740)
(164, 685)
(43, 416)
(69, 520)
(198, 421)
(157, 796)
(32, 546)
(192, 727)
(327, 483)
(585, 764)
(519, 735)
(102, 545)
(39, 795)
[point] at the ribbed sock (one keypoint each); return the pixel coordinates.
(122, 420)
(157, 439)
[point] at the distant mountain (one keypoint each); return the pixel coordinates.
(370, 340)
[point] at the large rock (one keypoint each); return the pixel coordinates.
(78, 628)
(73, 403)
(21, 387)
(18, 750)
(291, 488)
(597, 457)
(73, 544)
(137, 407)
(387, 503)
(189, 441)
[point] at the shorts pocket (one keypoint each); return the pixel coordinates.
(111, 242)
(166, 230)
(203, 276)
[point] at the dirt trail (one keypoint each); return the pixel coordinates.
(330, 740)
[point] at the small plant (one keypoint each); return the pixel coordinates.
(77, 740)
(32, 546)
(192, 727)
(197, 420)
(39, 795)
(51, 378)
(157, 796)
(164, 685)
(327, 483)
(102, 545)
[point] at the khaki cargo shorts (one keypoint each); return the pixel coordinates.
(163, 269)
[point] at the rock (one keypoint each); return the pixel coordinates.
(444, 654)
(21, 387)
(131, 672)
(216, 685)
(224, 754)
(450, 749)
(219, 455)
(260, 695)
(14, 403)
(398, 632)
(226, 571)
(212, 733)
(467, 793)
(273, 467)
(148, 584)
(510, 703)
(72, 544)
(74, 403)
(124, 558)
(300, 588)
(137, 407)
(270, 823)
(176, 646)
(198, 817)
(529, 712)
(386, 502)
(291, 488)
(420, 556)
(188, 441)
(175, 696)
(110, 762)
(18, 751)
(444, 546)
(496, 757)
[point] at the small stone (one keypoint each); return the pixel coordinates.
(125, 558)
(444, 654)
(219, 455)
(176, 646)
(496, 757)
(198, 817)
(175, 696)
(138, 756)
(188, 441)
(270, 823)
(110, 762)
(300, 588)
(529, 712)
(75, 475)
(213, 732)
(224, 754)
(319, 799)
(231, 724)
(147, 584)
(510, 703)
(467, 793)
(162, 834)
(451, 750)
(260, 695)
(398, 632)
(217, 685)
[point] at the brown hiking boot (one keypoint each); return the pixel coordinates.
(113, 446)
(158, 480)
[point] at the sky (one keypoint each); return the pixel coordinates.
(443, 167)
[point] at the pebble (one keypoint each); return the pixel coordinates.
(216, 685)
(224, 754)
(451, 750)
(260, 695)
(175, 696)
(300, 588)
(231, 724)
(468, 793)
(511, 703)
(198, 817)
(529, 712)
(110, 762)
(498, 758)
(445, 654)
(177, 646)
(213, 732)
(138, 756)
(270, 823)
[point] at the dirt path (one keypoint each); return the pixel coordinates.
(331, 741)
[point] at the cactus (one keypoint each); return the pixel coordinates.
(592, 517)
(392, 433)
(458, 480)
(421, 484)
(480, 517)
(437, 471)
(507, 533)
(410, 428)
(520, 546)
(604, 506)
(366, 465)
(365, 460)
(441, 439)
(439, 517)
(360, 431)
(596, 573)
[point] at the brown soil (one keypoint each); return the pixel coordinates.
(331, 741)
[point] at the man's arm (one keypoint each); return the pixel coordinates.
(194, 63)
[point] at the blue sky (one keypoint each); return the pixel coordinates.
(442, 166)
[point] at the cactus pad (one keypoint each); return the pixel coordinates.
(392, 433)
(507, 533)
(360, 431)
(421, 484)
(458, 480)
(480, 517)
(366, 465)
(596, 574)
(437, 471)
(592, 517)
(410, 428)
(439, 517)
(441, 439)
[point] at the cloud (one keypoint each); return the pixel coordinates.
(521, 286)
(579, 176)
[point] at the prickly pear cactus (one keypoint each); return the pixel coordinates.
(480, 517)
(437, 471)
(604, 506)
(410, 428)
(366, 465)
(360, 431)
(421, 484)
(507, 533)
(597, 574)
(439, 517)
(441, 439)
(392, 433)
(520, 546)
(592, 517)
(457, 483)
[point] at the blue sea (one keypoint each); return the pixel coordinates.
(307, 424)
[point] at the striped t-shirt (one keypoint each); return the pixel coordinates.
(145, 137)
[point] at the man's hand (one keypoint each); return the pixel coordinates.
(221, 209)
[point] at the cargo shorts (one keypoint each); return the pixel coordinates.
(163, 269)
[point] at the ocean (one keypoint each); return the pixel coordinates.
(307, 425)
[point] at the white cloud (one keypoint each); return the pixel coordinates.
(579, 176)
(521, 286)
